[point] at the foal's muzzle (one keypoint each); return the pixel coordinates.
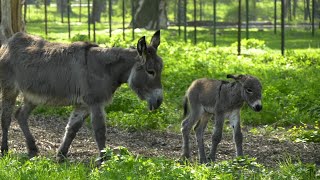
(257, 106)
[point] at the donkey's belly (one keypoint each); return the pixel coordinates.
(53, 101)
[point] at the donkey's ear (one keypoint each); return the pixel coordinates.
(155, 40)
(142, 46)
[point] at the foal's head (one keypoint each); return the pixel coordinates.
(145, 77)
(250, 90)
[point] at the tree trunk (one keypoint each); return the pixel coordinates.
(62, 6)
(151, 14)
(11, 18)
(98, 6)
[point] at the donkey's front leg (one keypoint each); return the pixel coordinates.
(76, 120)
(99, 127)
(217, 135)
(237, 134)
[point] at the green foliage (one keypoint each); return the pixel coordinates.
(305, 134)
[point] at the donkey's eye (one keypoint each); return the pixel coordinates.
(151, 72)
(249, 91)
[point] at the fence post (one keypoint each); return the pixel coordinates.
(133, 20)
(313, 14)
(80, 10)
(110, 14)
(45, 18)
(282, 26)
(185, 20)
(68, 12)
(88, 6)
(214, 22)
(239, 28)
(195, 20)
(179, 17)
(247, 19)
(275, 17)
(123, 20)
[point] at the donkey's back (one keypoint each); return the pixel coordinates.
(45, 72)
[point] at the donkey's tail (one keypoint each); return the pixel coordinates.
(185, 106)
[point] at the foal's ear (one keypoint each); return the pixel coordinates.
(142, 46)
(241, 78)
(155, 40)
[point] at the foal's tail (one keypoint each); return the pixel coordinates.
(185, 106)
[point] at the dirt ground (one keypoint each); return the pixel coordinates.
(49, 131)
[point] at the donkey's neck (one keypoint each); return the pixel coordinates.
(117, 61)
(234, 93)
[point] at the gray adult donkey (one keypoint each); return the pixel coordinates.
(223, 99)
(79, 74)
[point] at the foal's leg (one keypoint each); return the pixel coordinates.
(8, 101)
(237, 134)
(200, 128)
(217, 135)
(22, 115)
(187, 124)
(98, 123)
(76, 120)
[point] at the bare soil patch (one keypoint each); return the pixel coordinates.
(49, 132)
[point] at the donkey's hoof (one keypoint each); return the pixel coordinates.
(32, 154)
(61, 157)
(203, 161)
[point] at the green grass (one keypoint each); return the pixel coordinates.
(123, 165)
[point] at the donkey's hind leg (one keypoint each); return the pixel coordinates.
(200, 128)
(187, 124)
(217, 135)
(8, 101)
(22, 115)
(76, 120)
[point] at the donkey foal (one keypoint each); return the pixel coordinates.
(223, 99)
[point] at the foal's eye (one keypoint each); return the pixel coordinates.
(249, 91)
(151, 72)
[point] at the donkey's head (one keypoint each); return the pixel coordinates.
(250, 90)
(145, 76)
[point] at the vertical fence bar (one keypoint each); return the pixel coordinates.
(62, 9)
(88, 6)
(80, 10)
(247, 19)
(239, 28)
(110, 14)
(185, 20)
(179, 17)
(123, 20)
(133, 20)
(214, 22)
(313, 14)
(282, 26)
(46, 18)
(93, 18)
(195, 21)
(68, 12)
(25, 12)
(275, 17)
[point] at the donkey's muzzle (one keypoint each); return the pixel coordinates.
(155, 104)
(155, 100)
(257, 107)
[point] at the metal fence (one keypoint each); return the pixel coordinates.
(185, 15)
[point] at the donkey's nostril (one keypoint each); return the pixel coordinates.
(258, 107)
(159, 101)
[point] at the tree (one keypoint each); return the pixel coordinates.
(151, 14)
(98, 6)
(11, 18)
